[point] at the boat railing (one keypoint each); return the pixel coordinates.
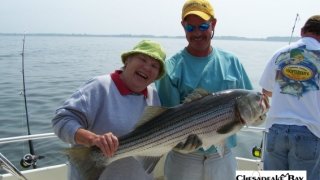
(6, 165)
(27, 137)
(262, 146)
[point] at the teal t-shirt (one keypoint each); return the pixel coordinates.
(218, 71)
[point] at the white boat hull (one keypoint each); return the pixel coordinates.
(60, 171)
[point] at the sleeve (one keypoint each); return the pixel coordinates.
(167, 86)
(70, 117)
(153, 97)
(246, 83)
(268, 76)
(168, 92)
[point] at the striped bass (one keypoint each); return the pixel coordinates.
(208, 118)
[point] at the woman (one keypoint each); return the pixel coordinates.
(110, 105)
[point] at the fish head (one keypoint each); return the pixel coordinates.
(252, 108)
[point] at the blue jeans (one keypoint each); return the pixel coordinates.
(290, 147)
(195, 166)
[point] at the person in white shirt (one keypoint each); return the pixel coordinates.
(292, 79)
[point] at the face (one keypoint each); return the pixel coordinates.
(199, 39)
(140, 71)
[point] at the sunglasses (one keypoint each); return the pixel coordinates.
(202, 27)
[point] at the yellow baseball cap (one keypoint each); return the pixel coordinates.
(201, 8)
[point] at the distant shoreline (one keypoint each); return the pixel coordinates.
(271, 38)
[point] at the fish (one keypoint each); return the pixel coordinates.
(9, 167)
(203, 119)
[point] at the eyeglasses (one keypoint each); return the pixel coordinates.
(202, 27)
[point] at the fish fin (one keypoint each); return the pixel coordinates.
(228, 127)
(149, 113)
(196, 94)
(192, 143)
(148, 162)
(89, 162)
(206, 147)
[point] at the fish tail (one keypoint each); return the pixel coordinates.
(88, 161)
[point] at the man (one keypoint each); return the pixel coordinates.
(292, 79)
(200, 65)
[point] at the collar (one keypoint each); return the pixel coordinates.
(122, 88)
(312, 43)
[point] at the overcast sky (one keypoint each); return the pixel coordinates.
(246, 18)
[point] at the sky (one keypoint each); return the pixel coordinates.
(245, 18)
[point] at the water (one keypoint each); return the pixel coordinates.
(56, 66)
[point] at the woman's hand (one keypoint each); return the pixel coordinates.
(107, 143)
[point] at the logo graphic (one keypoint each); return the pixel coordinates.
(271, 175)
(298, 71)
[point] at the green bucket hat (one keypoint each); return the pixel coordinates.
(149, 48)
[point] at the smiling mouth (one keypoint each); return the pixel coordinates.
(198, 38)
(144, 76)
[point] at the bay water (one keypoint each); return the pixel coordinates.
(55, 66)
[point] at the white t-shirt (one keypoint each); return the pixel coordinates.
(293, 77)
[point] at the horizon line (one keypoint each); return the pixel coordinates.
(268, 38)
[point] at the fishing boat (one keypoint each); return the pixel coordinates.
(59, 171)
